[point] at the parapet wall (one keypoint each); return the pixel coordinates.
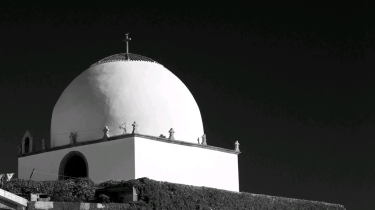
(9, 200)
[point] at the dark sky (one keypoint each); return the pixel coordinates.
(292, 83)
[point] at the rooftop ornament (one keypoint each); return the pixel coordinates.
(19, 149)
(162, 136)
(237, 146)
(204, 140)
(198, 141)
(123, 127)
(171, 134)
(127, 39)
(106, 133)
(135, 126)
(72, 138)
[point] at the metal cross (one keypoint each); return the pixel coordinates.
(127, 39)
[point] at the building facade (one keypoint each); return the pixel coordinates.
(109, 124)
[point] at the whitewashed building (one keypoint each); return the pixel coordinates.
(128, 117)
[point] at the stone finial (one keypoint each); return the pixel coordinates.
(135, 126)
(123, 127)
(237, 146)
(198, 141)
(171, 134)
(162, 136)
(106, 133)
(43, 145)
(19, 149)
(204, 140)
(72, 138)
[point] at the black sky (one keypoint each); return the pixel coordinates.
(293, 83)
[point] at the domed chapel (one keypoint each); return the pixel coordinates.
(127, 117)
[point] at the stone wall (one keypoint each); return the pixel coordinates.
(41, 205)
(11, 201)
(7, 205)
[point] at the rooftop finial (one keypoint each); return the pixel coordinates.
(171, 134)
(123, 127)
(135, 125)
(72, 138)
(127, 39)
(106, 133)
(237, 146)
(204, 139)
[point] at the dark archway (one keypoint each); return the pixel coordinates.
(27, 144)
(74, 164)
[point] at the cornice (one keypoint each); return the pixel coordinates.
(118, 137)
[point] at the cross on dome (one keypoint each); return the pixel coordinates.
(127, 39)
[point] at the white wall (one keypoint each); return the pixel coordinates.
(110, 160)
(137, 157)
(185, 164)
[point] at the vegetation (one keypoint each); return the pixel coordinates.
(163, 195)
(72, 190)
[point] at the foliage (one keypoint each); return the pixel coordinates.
(80, 189)
(163, 195)
(103, 198)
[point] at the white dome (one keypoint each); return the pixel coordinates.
(125, 87)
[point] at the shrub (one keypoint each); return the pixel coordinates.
(163, 195)
(80, 189)
(103, 198)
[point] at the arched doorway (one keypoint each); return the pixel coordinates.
(74, 164)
